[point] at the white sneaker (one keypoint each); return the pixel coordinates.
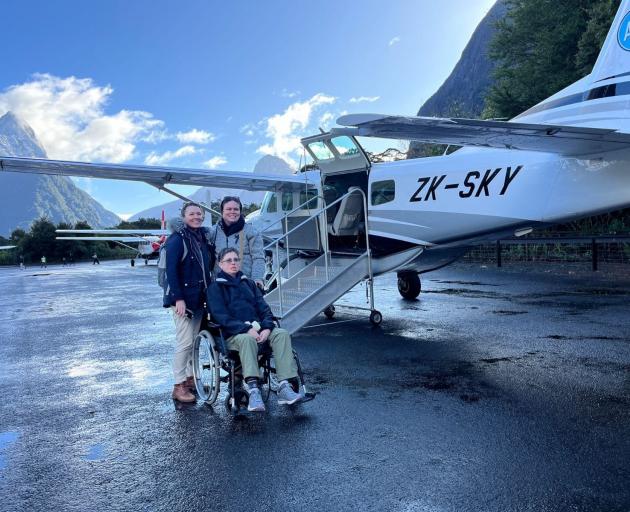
(286, 395)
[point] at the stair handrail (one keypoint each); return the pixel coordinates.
(319, 214)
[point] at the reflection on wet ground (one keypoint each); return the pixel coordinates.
(488, 381)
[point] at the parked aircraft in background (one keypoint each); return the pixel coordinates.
(565, 158)
(146, 242)
(6, 247)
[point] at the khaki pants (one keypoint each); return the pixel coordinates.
(280, 342)
(185, 331)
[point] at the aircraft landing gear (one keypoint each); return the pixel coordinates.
(409, 285)
(133, 262)
(329, 312)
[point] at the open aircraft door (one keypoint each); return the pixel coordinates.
(343, 164)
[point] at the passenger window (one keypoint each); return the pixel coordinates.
(287, 201)
(271, 203)
(311, 197)
(382, 192)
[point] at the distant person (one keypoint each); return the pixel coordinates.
(95, 260)
(22, 266)
(233, 231)
(43, 262)
(187, 280)
(63, 261)
(238, 306)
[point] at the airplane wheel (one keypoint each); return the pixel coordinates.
(409, 285)
(133, 262)
(329, 311)
(376, 317)
(146, 261)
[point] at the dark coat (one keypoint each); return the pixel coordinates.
(232, 301)
(187, 279)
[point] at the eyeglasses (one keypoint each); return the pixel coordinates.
(229, 261)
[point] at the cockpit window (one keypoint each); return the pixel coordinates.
(344, 146)
(311, 197)
(321, 151)
(382, 192)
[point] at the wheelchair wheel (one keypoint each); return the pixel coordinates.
(206, 367)
(265, 388)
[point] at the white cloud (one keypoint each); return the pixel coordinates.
(324, 120)
(168, 156)
(394, 41)
(365, 99)
(195, 136)
(215, 161)
(286, 129)
(68, 116)
(289, 94)
(124, 216)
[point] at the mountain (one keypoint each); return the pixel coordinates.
(26, 197)
(463, 92)
(266, 165)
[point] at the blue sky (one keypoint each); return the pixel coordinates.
(211, 84)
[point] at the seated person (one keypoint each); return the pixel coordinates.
(237, 305)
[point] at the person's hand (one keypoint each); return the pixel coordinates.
(264, 334)
(260, 284)
(180, 307)
(253, 333)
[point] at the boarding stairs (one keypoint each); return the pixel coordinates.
(308, 285)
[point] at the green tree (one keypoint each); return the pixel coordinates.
(542, 46)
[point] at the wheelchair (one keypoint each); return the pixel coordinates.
(214, 365)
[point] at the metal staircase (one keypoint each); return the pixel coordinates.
(311, 288)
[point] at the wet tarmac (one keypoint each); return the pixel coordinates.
(495, 391)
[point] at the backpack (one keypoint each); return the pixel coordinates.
(161, 264)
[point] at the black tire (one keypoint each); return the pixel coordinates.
(376, 317)
(329, 312)
(133, 262)
(206, 369)
(409, 285)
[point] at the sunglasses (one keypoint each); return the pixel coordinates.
(229, 261)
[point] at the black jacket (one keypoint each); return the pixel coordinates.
(187, 278)
(232, 301)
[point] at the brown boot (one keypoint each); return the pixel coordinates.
(182, 394)
(190, 384)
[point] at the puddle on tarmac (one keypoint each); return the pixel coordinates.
(96, 452)
(6, 440)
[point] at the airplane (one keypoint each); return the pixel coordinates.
(6, 247)
(565, 158)
(148, 241)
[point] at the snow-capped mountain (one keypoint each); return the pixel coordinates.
(26, 197)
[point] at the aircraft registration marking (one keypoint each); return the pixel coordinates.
(474, 184)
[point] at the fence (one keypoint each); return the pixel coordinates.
(588, 250)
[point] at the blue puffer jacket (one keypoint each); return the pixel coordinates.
(187, 279)
(232, 301)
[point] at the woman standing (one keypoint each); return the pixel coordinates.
(188, 276)
(233, 231)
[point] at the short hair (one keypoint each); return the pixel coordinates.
(187, 205)
(227, 199)
(225, 251)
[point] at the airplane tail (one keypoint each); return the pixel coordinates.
(614, 58)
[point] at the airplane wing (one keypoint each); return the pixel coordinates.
(6, 247)
(564, 140)
(125, 239)
(139, 232)
(156, 176)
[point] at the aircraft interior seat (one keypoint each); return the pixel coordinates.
(348, 220)
(330, 196)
